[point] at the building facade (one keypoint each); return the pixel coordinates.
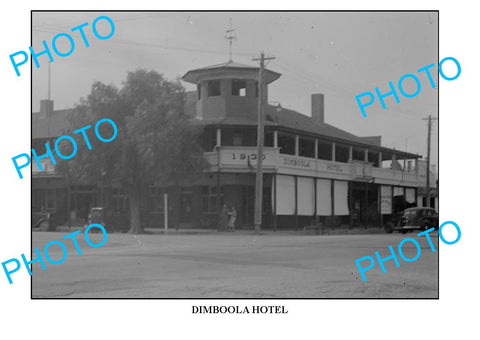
(313, 172)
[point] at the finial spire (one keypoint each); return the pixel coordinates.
(230, 37)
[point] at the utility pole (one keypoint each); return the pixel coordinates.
(48, 80)
(260, 138)
(48, 113)
(428, 158)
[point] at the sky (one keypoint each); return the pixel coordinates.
(339, 54)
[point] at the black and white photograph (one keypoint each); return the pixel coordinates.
(225, 155)
(238, 170)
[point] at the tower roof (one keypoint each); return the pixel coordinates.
(229, 69)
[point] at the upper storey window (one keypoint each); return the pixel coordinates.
(213, 88)
(239, 87)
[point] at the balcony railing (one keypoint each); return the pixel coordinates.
(244, 159)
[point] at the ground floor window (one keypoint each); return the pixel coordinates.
(285, 200)
(209, 199)
(305, 196)
(340, 194)
(44, 200)
(324, 197)
(119, 201)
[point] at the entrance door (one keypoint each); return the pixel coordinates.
(364, 203)
(186, 207)
(248, 204)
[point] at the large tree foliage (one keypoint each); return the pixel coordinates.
(156, 143)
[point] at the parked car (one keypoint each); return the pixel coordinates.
(414, 219)
(98, 215)
(105, 217)
(43, 221)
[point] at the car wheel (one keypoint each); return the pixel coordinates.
(425, 226)
(43, 225)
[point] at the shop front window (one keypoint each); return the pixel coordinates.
(119, 201)
(209, 199)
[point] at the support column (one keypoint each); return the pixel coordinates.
(296, 202)
(219, 226)
(275, 138)
(366, 155)
(332, 197)
(315, 150)
(315, 202)
(350, 203)
(297, 142)
(416, 196)
(366, 205)
(392, 189)
(219, 137)
(350, 153)
(69, 203)
(333, 151)
(165, 212)
(379, 200)
(380, 159)
(274, 186)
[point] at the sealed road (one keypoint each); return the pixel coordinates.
(234, 265)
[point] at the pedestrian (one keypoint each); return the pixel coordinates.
(232, 218)
(223, 219)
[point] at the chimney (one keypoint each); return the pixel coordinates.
(318, 108)
(46, 108)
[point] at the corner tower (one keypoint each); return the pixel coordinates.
(228, 90)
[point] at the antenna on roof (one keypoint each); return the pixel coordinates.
(230, 37)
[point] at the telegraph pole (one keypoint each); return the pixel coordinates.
(428, 157)
(260, 140)
(48, 80)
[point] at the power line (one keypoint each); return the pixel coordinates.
(165, 47)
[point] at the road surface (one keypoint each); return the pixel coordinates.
(233, 265)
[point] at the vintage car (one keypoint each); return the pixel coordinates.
(414, 219)
(105, 217)
(43, 221)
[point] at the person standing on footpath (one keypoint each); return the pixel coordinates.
(231, 221)
(223, 219)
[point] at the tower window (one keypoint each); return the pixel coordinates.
(237, 138)
(213, 88)
(239, 88)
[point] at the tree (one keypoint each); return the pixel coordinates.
(155, 143)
